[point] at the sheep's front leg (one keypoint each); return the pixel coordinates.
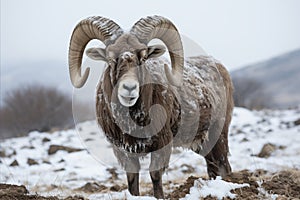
(131, 164)
(156, 177)
(132, 167)
(159, 162)
(133, 183)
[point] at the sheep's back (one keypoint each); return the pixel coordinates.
(202, 99)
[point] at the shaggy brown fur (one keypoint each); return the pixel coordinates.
(206, 136)
(144, 107)
(108, 109)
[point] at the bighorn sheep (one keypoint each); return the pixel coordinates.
(144, 107)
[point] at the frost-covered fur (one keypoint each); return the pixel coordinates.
(193, 115)
(147, 105)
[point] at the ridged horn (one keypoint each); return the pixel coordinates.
(86, 30)
(162, 28)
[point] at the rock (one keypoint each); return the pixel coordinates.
(92, 188)
(8, 189)
(2, 154)
(282, 147)
(239, 131)
(45, 139)
(14, 163)
(297, 122)
(59, 170)
(54, 148)
(244, 140)
(187, 168)
(117, 188)
(27, 147)
(267, 150)
(269, 130)
(47, 162)
(113, 172)
(31, 162)
(88, 139)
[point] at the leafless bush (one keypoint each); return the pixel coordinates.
(34, 107)
(250, 93)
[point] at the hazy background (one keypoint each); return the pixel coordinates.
(35, 37)
(236, 32)
(35, 34)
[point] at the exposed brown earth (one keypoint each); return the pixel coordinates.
(285, 184)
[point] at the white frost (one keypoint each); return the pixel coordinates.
(249, 131)
(216, 188)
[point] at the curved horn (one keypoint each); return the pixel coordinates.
(161, 28)
(90, 28)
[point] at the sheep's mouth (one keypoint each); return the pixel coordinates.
(127, 100)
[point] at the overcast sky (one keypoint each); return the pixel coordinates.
(234, 31)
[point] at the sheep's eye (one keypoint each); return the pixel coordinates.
(143, 59)
(142, 54)
(111, 61)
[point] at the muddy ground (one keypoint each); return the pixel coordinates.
(285, 184)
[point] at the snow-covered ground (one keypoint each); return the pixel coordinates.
(61, 173)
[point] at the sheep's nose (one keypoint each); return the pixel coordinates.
(129, 87)
(128, 56)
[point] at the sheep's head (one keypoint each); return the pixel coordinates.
(124, 57)
(125, 52)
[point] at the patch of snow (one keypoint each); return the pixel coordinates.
(249, 132)
(264, 193)
(216, 188)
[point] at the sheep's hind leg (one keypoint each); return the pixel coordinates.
(217, 165)
(217, 159)
(216, 154)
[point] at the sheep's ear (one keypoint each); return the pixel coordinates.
(96, 54)
(156, 51)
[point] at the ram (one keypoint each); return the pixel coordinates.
(146, 104)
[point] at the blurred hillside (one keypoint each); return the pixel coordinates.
(273, 83)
